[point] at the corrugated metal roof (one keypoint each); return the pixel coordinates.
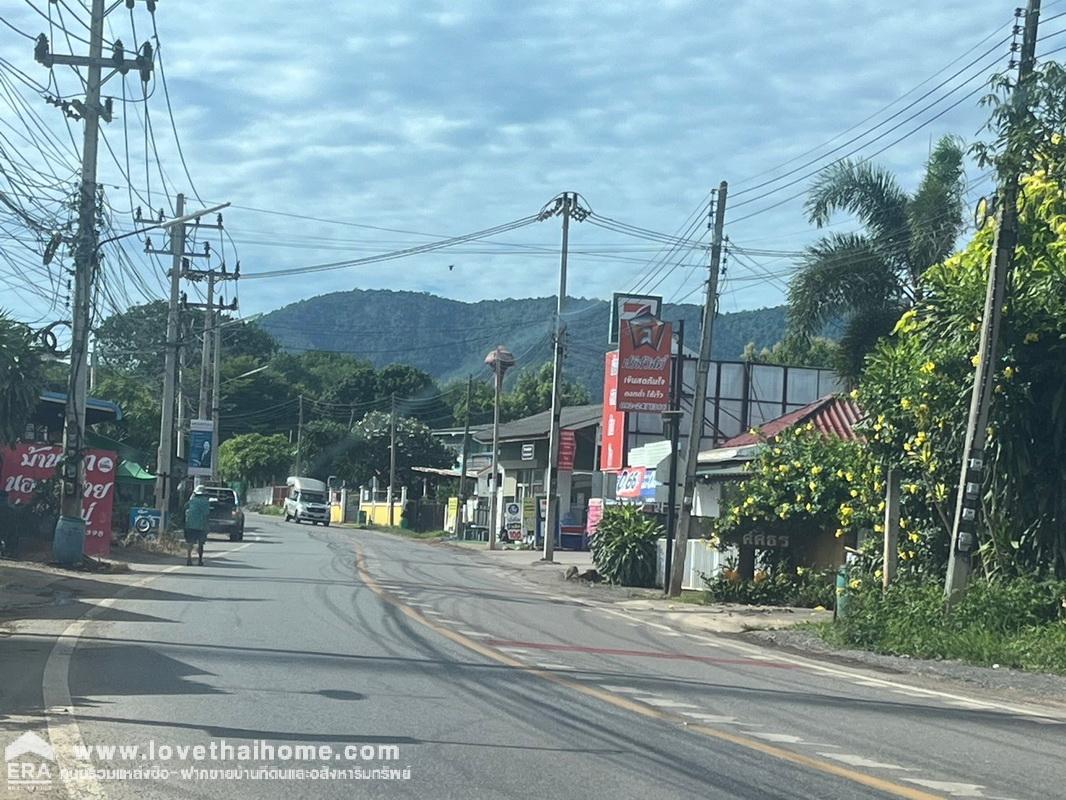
(833, 415)
(538, 425)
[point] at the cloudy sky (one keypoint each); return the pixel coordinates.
(431, 119)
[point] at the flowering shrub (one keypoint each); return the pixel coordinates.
(803, 483)
(916, 388)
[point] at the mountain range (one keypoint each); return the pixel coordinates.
(450, 338)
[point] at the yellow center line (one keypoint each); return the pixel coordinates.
(820, 765)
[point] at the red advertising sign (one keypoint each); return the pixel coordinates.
(613, 421)
(26, 464)
(630, 482)
(644, 365)
(592, 522)
(567, 448)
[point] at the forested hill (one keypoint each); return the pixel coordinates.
(449, 338)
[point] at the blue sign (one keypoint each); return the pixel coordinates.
(144, 520)
(200, 455)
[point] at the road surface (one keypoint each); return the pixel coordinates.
(418, 671)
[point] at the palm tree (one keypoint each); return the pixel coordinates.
(866, 280)
(21, 378)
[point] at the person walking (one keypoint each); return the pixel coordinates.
(196, 512)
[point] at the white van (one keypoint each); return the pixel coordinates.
(307, 501)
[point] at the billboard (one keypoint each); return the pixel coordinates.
(201, 459)
(27, 464)
(613, 421)
(628, 306)
(644, 352)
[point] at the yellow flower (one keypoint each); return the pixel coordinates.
(846, 512)
(840, 473)
(911, 554)
(921, 437)
(881, 507)
(878, 527)
(1031, 338)
(903, 555)
(783, 469)
(973, 327)
(1008, 372)
(816, 470)
(777, 451)
(905, 403)
(914, 537)
(809, 508)
(812, 485)
(976, 360)
(854, 492)
(854, 394)
(929, 367)
(903, 523)
(839, 532)
(878, 574)
(849, 476)
(940, 492)
(910, 488)
(855, 583)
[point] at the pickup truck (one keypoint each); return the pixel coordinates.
(226, 515)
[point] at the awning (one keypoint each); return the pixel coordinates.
(131, 471)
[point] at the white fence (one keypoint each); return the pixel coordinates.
(702, 559)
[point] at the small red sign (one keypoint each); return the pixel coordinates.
(567, 449)
(613, 421)
(644, 350)
(592, 521)
(27, 464)
(630, 482)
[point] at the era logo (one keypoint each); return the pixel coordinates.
(22, 772)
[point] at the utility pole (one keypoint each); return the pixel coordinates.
(971, 478)
(565, 205)
(211, 350)
(675, 436)
(499, 360)
(182, 421)
(392, 458)
(165, 457)
(891, 552)
(699, 399)
(300, 435)
(465, 456)
(85, 261)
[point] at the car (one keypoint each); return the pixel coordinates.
(307, 501)
(226, 515)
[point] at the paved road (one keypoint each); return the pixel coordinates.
(424, 658)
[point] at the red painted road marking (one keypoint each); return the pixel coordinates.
(613, 651)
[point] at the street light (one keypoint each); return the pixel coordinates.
(246, 374)
(499, 361)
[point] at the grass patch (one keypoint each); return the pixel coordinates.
(270, 511)
(1019, 624)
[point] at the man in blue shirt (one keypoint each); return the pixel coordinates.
(196, 512)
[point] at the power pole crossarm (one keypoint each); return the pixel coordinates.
(699, 400)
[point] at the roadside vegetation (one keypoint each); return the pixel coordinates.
(624, 547)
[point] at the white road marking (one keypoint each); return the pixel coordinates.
(784, 738)
(622, 689)
(861, 761)
(475, 634)
(665, 702)
(554, 666)
(711, 719)
(515, 650)
(948, 787)
(63, 731)
(972, 704)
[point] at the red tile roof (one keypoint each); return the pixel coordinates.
(832, 415)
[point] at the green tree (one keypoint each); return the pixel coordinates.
(140, 404)
(532, 394)
(869, 278)
(255, 458)
(482, 398)
(22, 378)
(794, 351)
(264, 402)
(415, 447)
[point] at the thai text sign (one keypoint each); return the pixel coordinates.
(613, 421)
(644, 365)
(567, 450)
(27, 464)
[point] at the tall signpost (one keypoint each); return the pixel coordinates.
(499, 361)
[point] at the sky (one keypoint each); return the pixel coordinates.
(435, 119)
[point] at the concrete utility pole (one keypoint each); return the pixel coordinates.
(392, 458)
(465, 456)
(85, 261)
(565, 205)
(675, 436)
(499, 361)
(971, 478)
(180, 401)
(216, 400)
(165, 457)
(699, 400)
(300, 436)
(204, 408)
(891, 553)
